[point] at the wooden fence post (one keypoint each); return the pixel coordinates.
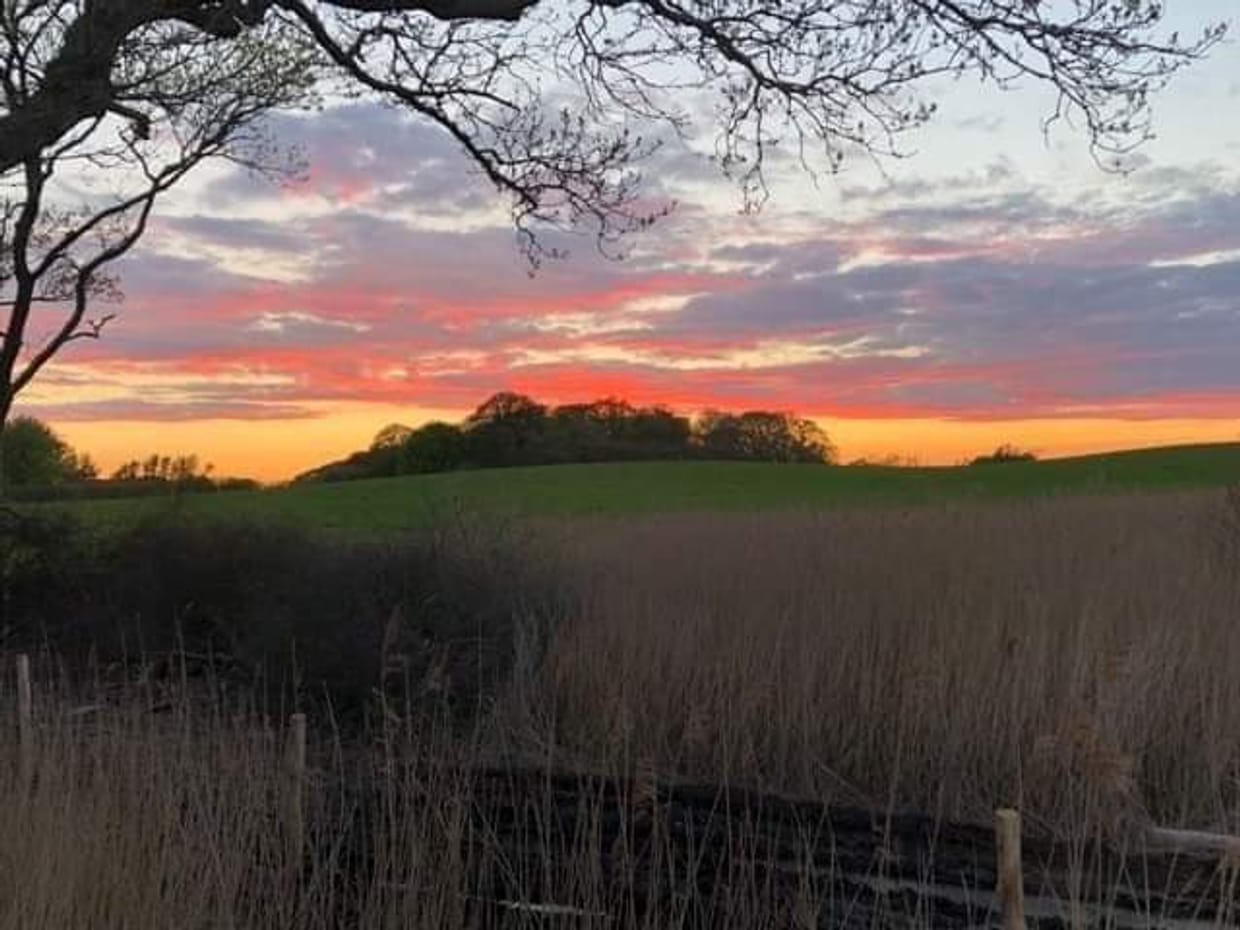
(1011, 873)
(294, 787)
(25, 720)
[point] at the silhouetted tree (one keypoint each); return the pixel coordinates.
(385, 458)
(167, 469)
(394, 434)
(34, 454)
(84, 467)
(717, 434)
(765, 436)
(659, 432)
(506, 407)
(613, 414)
(105, 105)
(573, 433)
(810, 442)
(1004, 454)
(434, 447)
(505, 429)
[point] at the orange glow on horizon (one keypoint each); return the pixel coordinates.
(276, 450)
(949, 442)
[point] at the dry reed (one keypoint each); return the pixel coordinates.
(1074, 658)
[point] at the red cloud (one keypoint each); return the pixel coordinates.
(938, 323)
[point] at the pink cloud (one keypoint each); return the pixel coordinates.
(1008, 307)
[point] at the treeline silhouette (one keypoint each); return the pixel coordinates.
(37, 464)
(1005, 455)
(510, 429)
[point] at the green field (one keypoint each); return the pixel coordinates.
(393, 503)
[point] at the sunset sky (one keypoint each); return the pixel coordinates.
(995, 286)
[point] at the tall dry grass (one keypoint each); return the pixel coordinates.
(1076, 658)
(148, 820)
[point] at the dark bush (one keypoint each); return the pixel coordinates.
(432, 617)
(47, 563)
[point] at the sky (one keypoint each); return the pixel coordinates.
(994, 286)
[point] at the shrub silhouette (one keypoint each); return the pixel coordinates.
(301, 614)
(1005, 454)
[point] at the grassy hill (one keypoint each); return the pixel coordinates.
(392, 503)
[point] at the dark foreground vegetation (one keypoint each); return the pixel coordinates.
(1073, 658)
(122, 807)
(271, 606)
(509, 430)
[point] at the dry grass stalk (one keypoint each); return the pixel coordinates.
(295, 787)
(25, 719)
(1075, 655)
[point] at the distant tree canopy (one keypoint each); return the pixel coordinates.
(33, 455)
(1005, 454)
(39, 465)
(177, 469)
(764, 436)
(434, 447)
(507, 429)
(390, 436)
(511, 429)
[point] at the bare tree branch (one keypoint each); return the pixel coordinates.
(198, 99)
